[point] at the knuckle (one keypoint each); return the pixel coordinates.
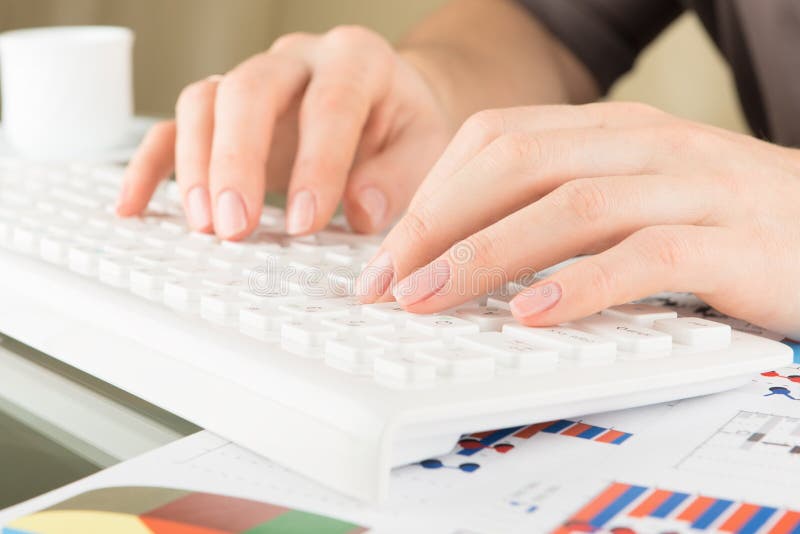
(485, 125)
(663, 246)
(290, 41)
(601, 280)
(238, 85)
(479, 249)
(635, 109)
(353, 36)
(194, 95)
(686, 137)
(584, 199)
(416, 226)
(517, 149)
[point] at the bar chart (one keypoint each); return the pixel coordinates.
(500, 440)
(630, 508)
(749, 444)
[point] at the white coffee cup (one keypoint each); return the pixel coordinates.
(66, 90)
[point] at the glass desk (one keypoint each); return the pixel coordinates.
(58, 424)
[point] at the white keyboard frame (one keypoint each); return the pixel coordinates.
(214, 377)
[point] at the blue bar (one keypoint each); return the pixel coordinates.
(758, 520)
(711, 514)
(489, 440)
(617, 506)
(668, 506)
(591, 433)
(621, 439)
(558, 426)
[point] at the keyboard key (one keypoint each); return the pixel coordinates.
(403, 371)
(263, 323)
(570, 343)
(314, 309)
(352, 354)
(306, 333)
(83, 260)
(642, 314)
(387, 311)
(630, 337)
(183, 295)
(512, 354)
(442, 326)
(459, 363)
(114, 270)
(147, 282)
(405, 342)
(54, 249)
(696, 332)
(488, 318)
(221, 308)
(358, 326)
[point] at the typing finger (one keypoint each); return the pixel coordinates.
(485, 127)
(249, 101)
(511, 172)
(654, 259)
(351, 71)
(549, 231)
(194, 115)
(153, 162)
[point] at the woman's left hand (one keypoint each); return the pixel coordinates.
(664, 204)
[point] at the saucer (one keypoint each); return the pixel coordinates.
(118, 154)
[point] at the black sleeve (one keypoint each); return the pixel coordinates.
(606, 35)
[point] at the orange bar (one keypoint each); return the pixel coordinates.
(695, 510)
(576, 429)
(609, 436)
(481, 435)
(649, 505)
(531, 430)
(601, 502)
(787, 524)
(739, 518)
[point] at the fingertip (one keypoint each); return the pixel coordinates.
(230, 216)
(531, 305)
(301, 214)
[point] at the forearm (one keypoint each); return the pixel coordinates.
(481, 54)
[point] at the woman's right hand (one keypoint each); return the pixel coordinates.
(329, 118)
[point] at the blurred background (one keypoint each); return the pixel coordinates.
(179, 41)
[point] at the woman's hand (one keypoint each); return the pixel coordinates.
(340, 116)
(663, 203)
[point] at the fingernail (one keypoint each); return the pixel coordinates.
(198, 209)
(535, 299)
(301, 213)
(423, 283)
(230, 218)
(375, 278)
(374, 203)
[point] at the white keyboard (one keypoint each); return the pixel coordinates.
(262, 342)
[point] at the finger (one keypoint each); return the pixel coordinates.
(654, 259)
(194, 115)
(351, 72)
(249, 100)
(556, 228)
(484, 127)
(153, 162)
(511, 172)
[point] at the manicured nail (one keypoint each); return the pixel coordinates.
(375, 278)
(423, 283)
(301, 213)
(198, 210)
(535, 299)
(230, 218)
(374, 204)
